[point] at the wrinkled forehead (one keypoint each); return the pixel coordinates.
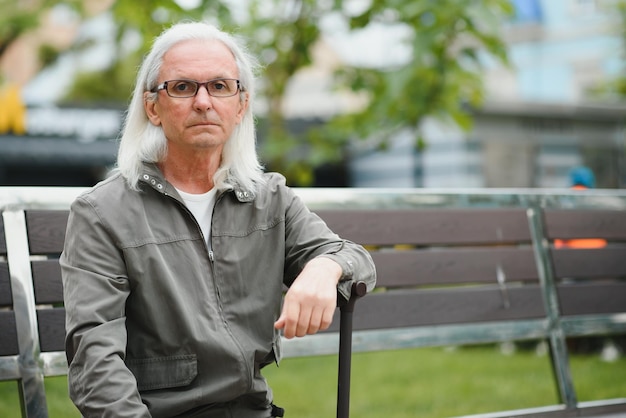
(206, 58)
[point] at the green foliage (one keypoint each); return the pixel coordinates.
(150, 17)
(283, 34)
(146, 19)
(48, 54)
(111, 86)
(18, 17)
(441, 78)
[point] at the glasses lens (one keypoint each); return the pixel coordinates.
(222, 87)
(181, 88)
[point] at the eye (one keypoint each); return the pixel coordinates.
(219, 85)
(182, 86)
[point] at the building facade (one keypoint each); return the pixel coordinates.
(540, 118)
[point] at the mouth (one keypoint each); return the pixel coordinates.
(203, 124)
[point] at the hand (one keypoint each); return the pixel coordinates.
(311, 300)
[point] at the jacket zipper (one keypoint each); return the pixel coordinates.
(248, 372)
(211, 255)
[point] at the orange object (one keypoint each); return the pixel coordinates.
(580, 243)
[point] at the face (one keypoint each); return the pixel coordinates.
(202, 121)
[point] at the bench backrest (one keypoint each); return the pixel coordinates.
(46, 234)
(453, 268)
(445, 266)
(8, 342)
(471, 273)
(33, 322)
(36, 283)
(590, 283)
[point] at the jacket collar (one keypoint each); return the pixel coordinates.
(153, 177)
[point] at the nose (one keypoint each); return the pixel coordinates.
(203, 100)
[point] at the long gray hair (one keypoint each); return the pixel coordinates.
(141, 141)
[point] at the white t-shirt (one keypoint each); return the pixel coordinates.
(201, 206)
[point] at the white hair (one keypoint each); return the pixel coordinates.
(141, 141)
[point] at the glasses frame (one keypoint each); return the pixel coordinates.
(205, 84)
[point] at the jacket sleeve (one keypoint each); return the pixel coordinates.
(307, 237)
(95, 292)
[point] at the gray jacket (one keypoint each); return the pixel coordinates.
(156, 323)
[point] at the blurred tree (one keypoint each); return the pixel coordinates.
(144, 21)
(441, 77)
(19, 17)
(283, 33)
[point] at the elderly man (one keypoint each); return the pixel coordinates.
(174, 266)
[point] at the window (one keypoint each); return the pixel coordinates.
(527, 11)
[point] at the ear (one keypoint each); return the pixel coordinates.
(243, 107)
(150, 106)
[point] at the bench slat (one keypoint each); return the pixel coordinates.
(592, 298)
(8, 342)
(454, 265)
(589, 263)
(410, 308)
(47, 281)
(51, 324)
(3, 242)
(429, 227)
(46, 230)
(6, 298)
(568, 224)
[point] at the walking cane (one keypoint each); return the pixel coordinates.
(345, 350)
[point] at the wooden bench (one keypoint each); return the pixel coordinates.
(457, 268)
(454, 268)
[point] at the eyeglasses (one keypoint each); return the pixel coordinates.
(219, 87)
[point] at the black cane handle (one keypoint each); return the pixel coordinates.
(359, 289)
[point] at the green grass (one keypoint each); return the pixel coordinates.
(59, 404)
(436, 382)
(425, 383)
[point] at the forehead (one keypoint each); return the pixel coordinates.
(200, 60)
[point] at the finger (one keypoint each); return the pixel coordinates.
(327, 318)
(315, 321)
(280, 322)
(290, 315)
(303, 321)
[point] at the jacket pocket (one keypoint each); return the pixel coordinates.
(164, 372)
